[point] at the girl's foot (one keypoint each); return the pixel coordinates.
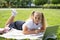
(14, 12)
(1, 30)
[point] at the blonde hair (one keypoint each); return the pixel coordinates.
(42, 20)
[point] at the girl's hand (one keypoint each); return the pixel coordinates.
(37, 31)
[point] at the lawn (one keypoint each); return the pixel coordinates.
(52, 16)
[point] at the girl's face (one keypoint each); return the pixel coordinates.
(37, 18)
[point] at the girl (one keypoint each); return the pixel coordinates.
(34, 25)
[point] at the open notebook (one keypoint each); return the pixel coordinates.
(17, 34)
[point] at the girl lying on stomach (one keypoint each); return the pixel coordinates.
(35, 24)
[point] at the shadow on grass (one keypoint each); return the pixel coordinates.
(51, 30)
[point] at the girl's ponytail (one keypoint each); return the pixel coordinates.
(43, 22)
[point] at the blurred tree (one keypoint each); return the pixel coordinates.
(40, 2)
(56, 1)
(24, 3)
(8, 3)
(2, 2)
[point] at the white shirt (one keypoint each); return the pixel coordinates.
(31, 25)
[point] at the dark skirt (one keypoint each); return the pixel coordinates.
(16, 25)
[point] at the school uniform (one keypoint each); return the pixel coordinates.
(19, 25)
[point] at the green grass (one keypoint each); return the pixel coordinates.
(52, 16)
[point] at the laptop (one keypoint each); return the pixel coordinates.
(51, 33)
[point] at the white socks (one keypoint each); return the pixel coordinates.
(14, 12)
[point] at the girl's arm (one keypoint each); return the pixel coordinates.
(43, 28)
(33, 31)
(26, 31)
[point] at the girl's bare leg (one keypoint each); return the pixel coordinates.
(9, 21)
(11, 18)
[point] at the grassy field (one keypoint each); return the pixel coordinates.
(52, 16)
